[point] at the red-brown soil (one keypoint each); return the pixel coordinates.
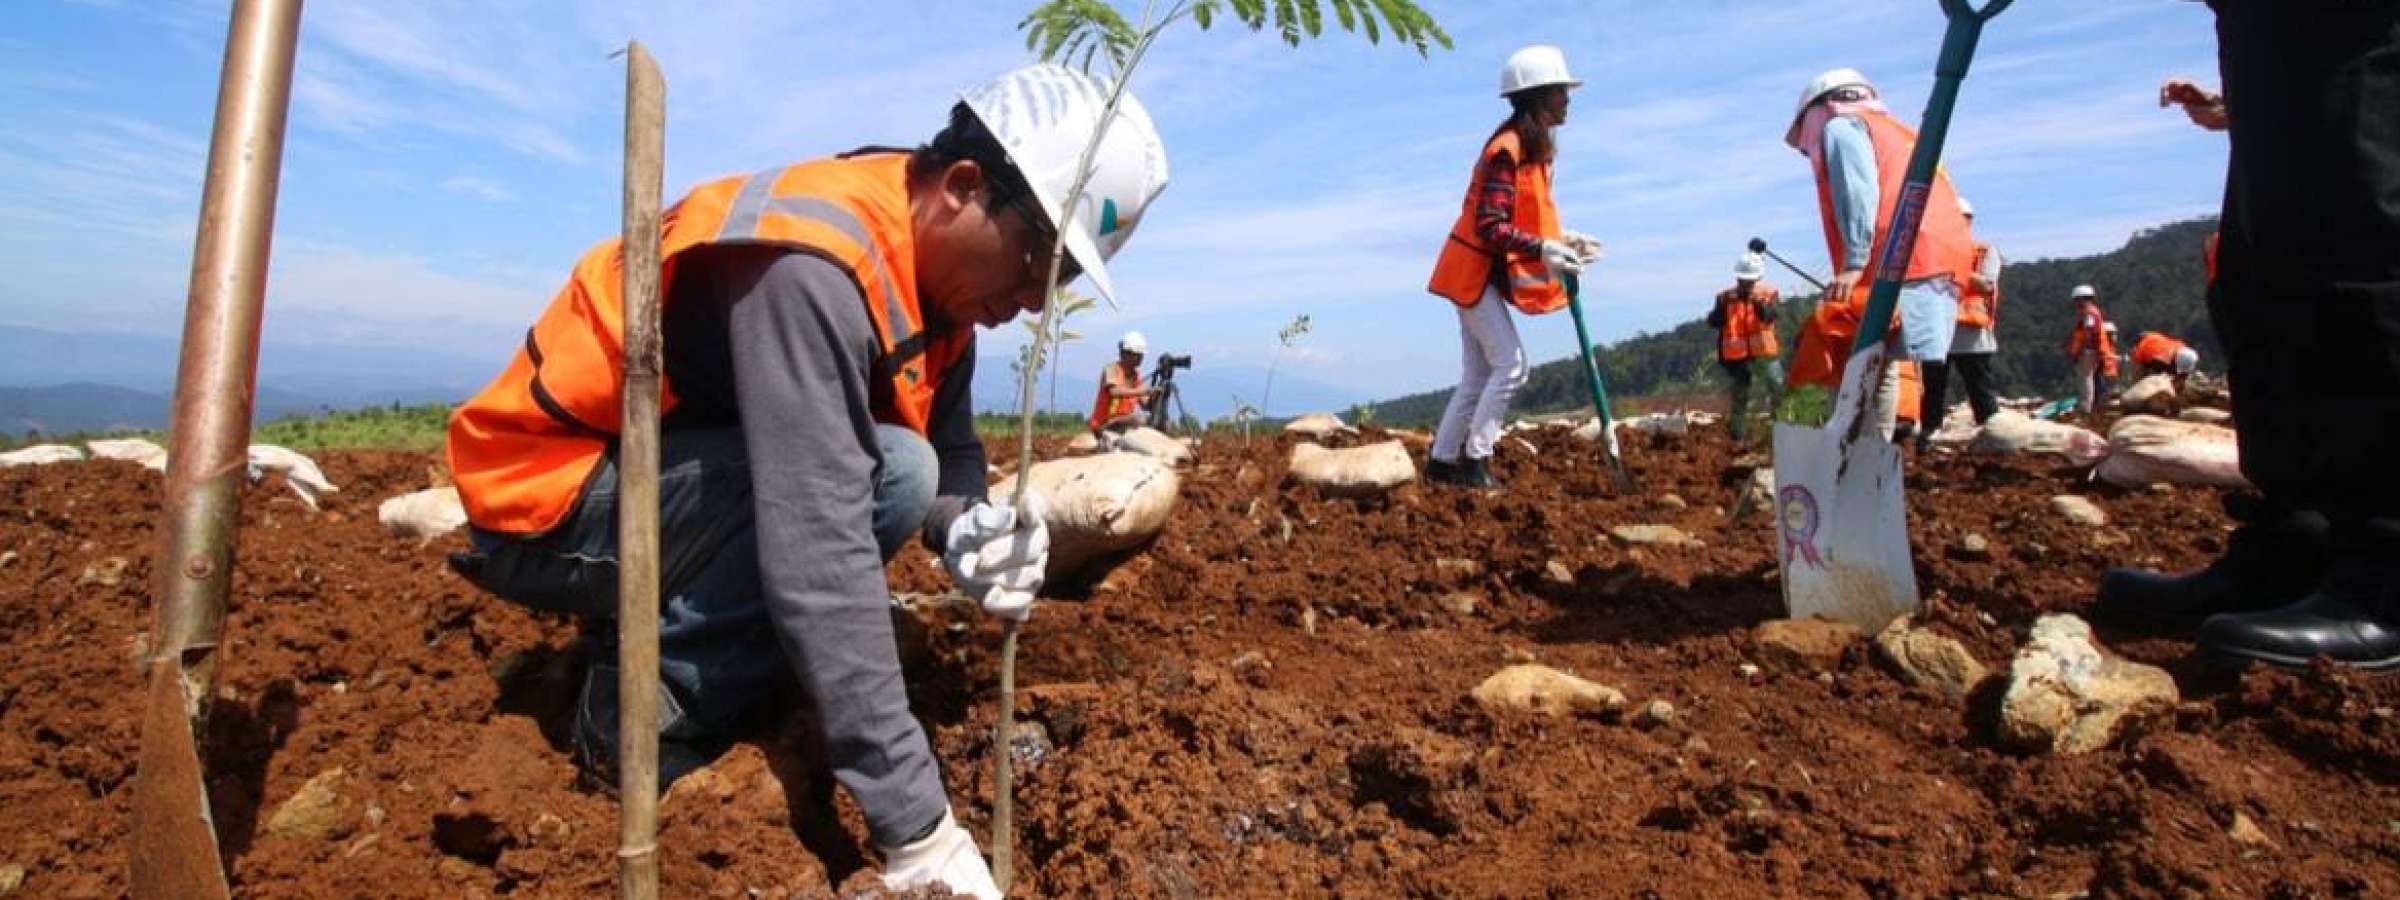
(1271, 702)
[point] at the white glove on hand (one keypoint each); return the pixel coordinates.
(946, 857)
(1561, 258)
(1585, 245)
(995, 560)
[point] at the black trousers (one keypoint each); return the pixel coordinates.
(1974, 371)
(2308, 297)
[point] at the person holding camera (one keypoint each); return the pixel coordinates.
(818, 329)
(1119, 406)
(1505, 249)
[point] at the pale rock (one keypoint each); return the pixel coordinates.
(1317, 426)
(1462, 603)
(1928, 660)
(423, 515)
(1451, 567)
(107, 572)
(1673, 502)
(2067, 695)
(318, 810)
(2079, 510)
(1557, 572)
(549, 829)
(2244, 831)
(1975, 546)
(1803, 645)
(40, 455)
(1661, 535)
(1547, 691)
(12, 877)
(1656, 714)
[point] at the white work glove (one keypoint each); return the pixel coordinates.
(997, 561)
(1561, 258)
(946, 857)
(1585, 245)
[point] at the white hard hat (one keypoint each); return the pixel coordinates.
(1751, 267)
(2186, 359)
(1965, 208)
(1042, 115)
(1819, 86)
(1133, 342)
(1539, 65)
(2110, 327)
(2082, 291)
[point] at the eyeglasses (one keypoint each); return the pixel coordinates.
(1040, 239)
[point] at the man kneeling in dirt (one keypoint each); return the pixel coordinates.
(819, 345)
(1118, 407)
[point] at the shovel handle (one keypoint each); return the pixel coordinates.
(1960, 9)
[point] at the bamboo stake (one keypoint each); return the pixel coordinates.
(175, 852)
(637, 483)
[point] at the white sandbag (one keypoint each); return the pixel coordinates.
(1958, 426)
(1409, 436)
(1669, 424)
(1155, 444)
(424, 515)
(298, 471)
(1353, 471)
(1702, 418)
(1099, 504)
(133, 450)
(40, 455)
(1083, 443)
(2144, 450)
(1316, 426)
(1590, 429)
(2012, 432)
(2152, 394)
(2206, 416)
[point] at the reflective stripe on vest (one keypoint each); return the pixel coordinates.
(521, 449)
(1464, 267)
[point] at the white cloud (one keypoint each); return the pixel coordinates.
(480, 187)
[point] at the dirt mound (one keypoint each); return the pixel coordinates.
(1271, 701)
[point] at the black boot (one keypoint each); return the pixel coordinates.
(2354, 620)
(1476, 472)
(2271, 560)
(1440, 471)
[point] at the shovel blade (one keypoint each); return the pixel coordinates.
(1842, 527)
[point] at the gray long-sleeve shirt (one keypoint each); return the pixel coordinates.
(1850, 166)
(779, 342)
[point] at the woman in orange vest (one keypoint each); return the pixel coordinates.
(1972, 345)
(1859, 154)
(2092, 349)
(818, 346)
(1745, 321)
(1118, 406)
(2158, 354)
(1505, 249)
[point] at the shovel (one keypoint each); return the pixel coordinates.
(1591, 376)
(1841, 525)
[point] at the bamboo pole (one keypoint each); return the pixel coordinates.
(175, 852)
(637, 483)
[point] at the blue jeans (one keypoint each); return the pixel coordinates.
(717, 650)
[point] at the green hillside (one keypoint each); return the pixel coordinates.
(2153, 283)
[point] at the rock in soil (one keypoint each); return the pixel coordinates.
(319, 811)
(1655, 714)
(1928, 660)
(1547, 691)
(2067, 695)
(1974, 546)
(1803, 645)
(2079, 510)
(1644, 535)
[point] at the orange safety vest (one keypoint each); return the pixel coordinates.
(2091, 335)
(1912, 391)
(521, 450)
(1746, 334)
(1944, 247)
(1105, 408)
(1977, 308)
(1465, 265)
(2156, 351)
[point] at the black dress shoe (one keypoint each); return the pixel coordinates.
(2350, 630)
(1477, 473)
(2271, 561)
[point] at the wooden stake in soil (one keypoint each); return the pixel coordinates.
(1004, 799)
(637, 473)
(175, 852)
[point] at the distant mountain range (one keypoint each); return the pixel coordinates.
(2153, 283)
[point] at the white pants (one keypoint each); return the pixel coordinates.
(2087, 368)
(1491, 368)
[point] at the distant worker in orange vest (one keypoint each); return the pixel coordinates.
(1859, 154)
(2092, 350)
(1972, 345)
(1745, 321)
(818, 323)
(1505, 249)
(2158, 354)
(1118, 406)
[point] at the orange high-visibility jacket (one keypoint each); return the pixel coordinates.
(1106, 408)
(2156, 351)
(1744, 333)
(1465, 265)
(1912, 391)
(521, 450)
(1944, 247)
(2090, 336)
(1978, 308)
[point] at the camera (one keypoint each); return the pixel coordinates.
(1162, 380)
(1169, 362)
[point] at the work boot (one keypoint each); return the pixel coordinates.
(1440, 471)
(2270, 561)
(1476, 472)
(2353, 620)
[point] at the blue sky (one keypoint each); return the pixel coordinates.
(447, 161)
